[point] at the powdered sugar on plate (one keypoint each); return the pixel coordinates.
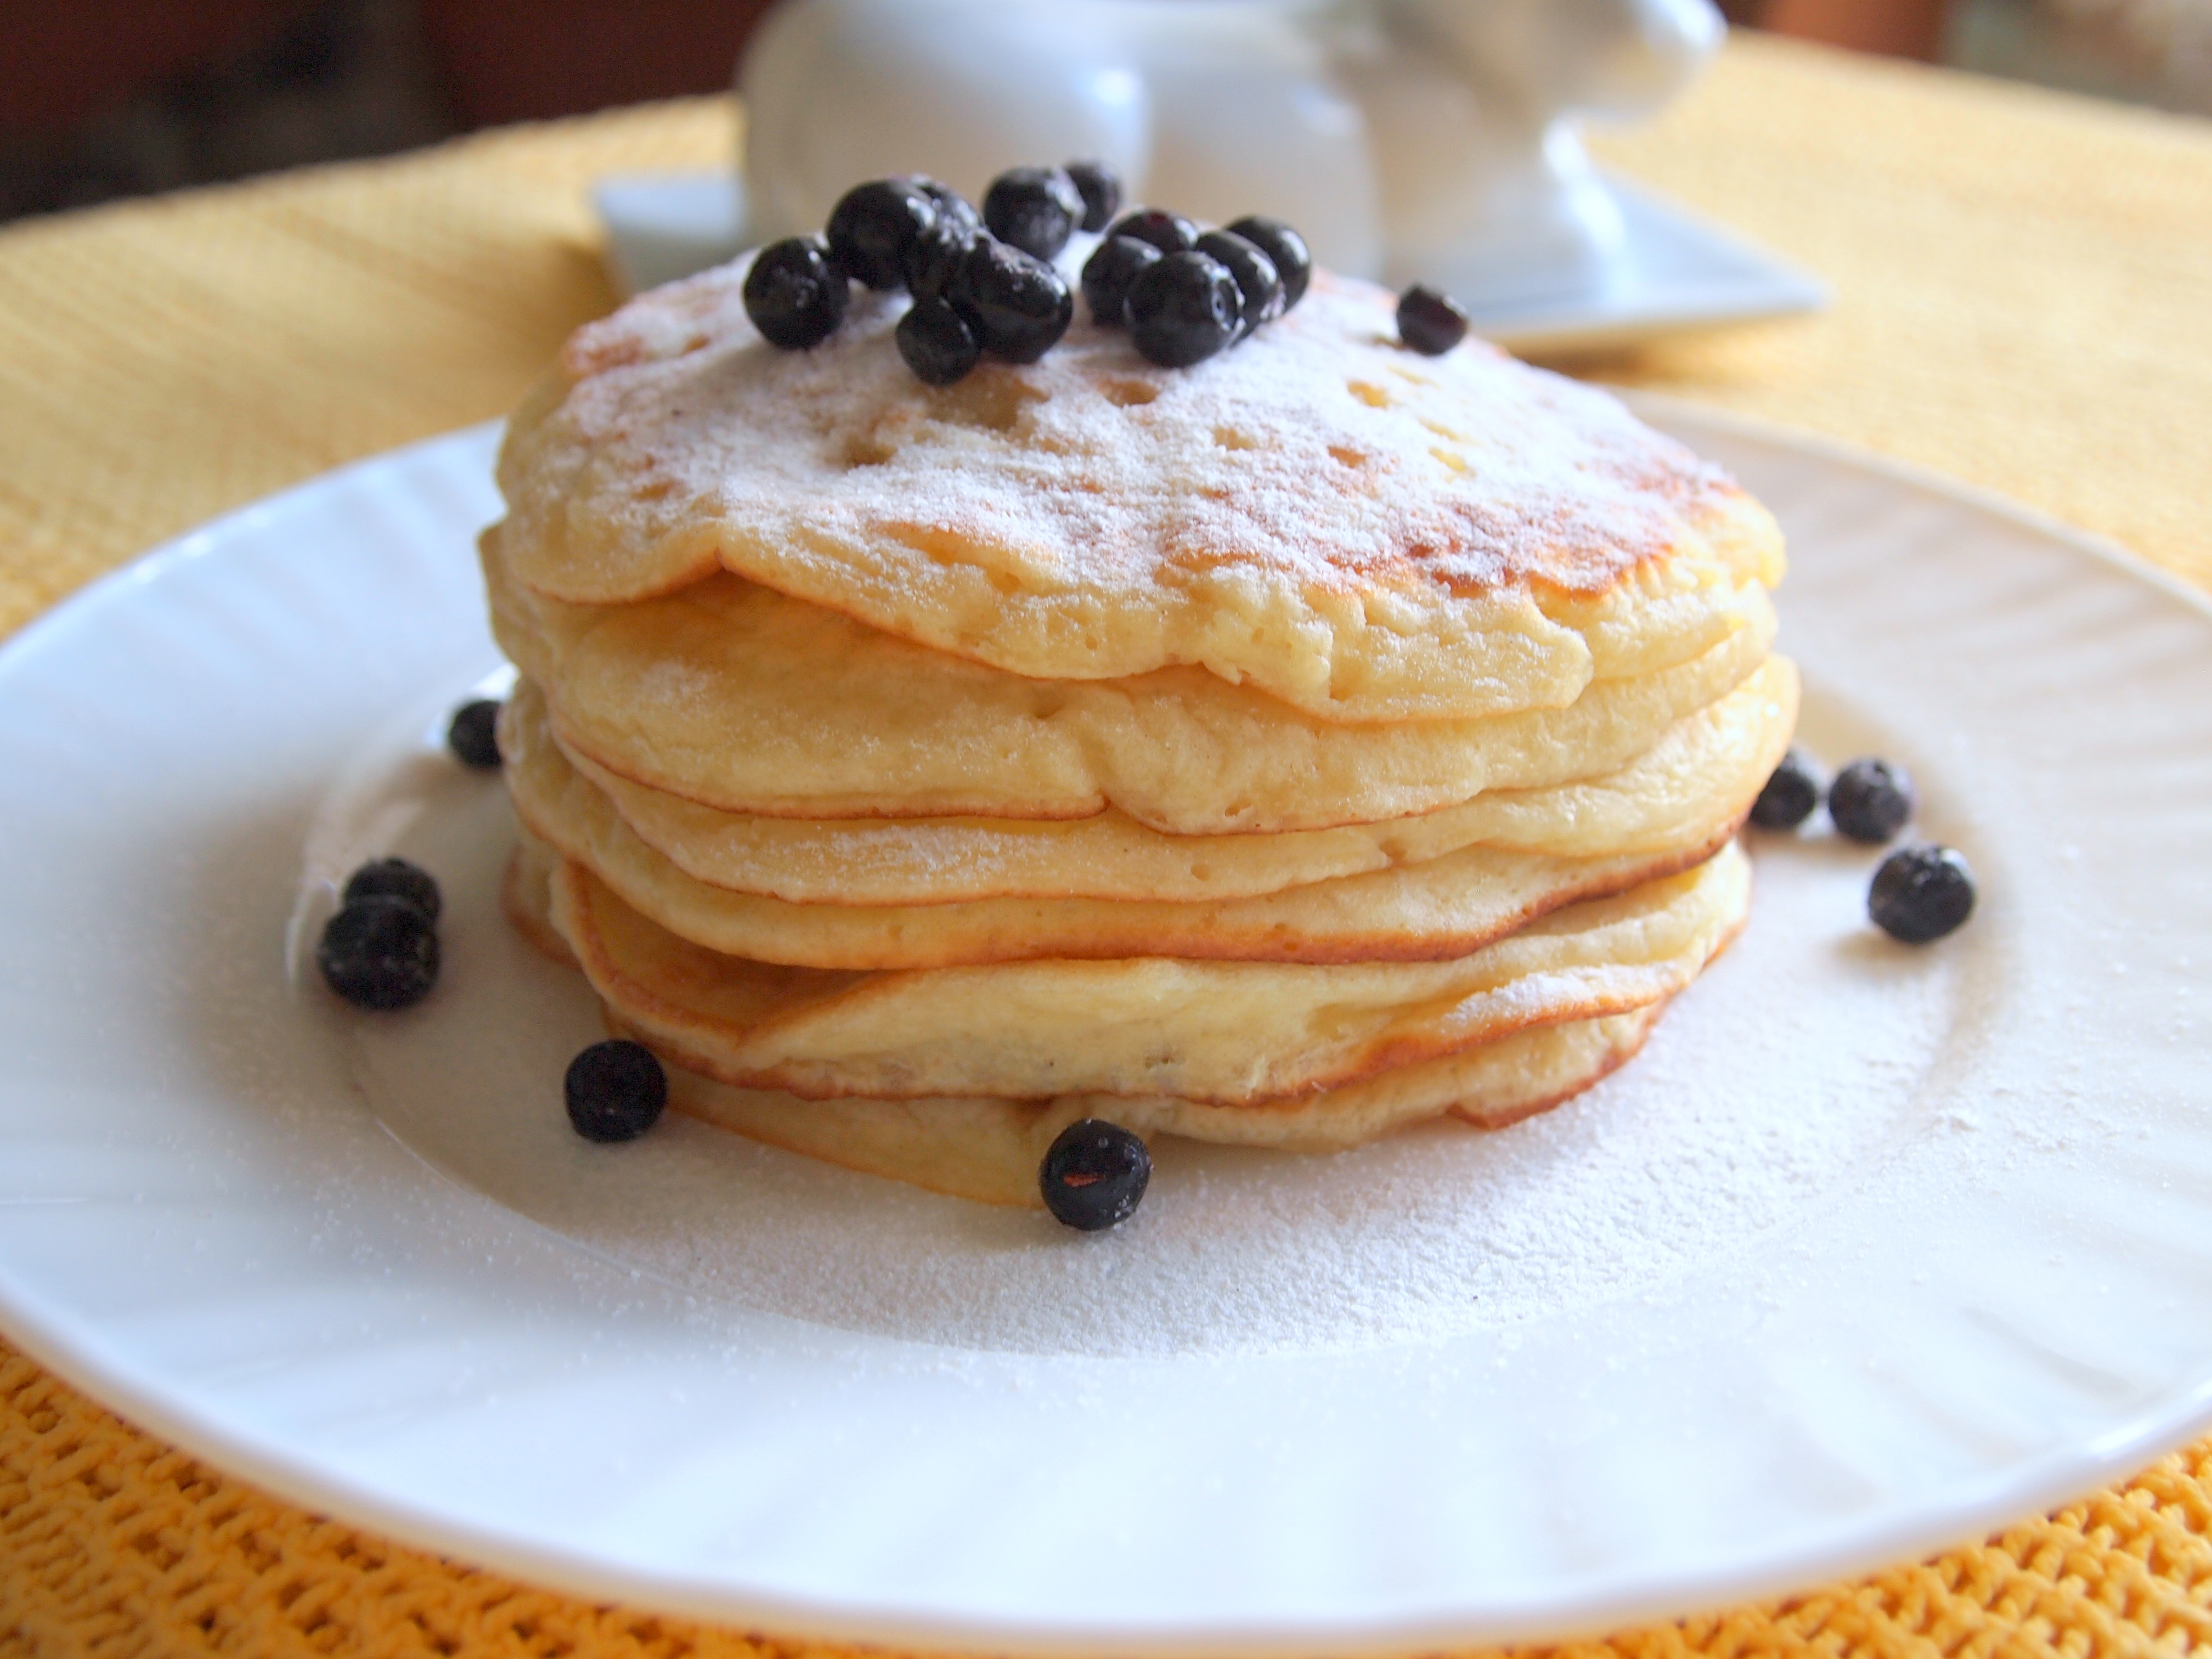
(1767, 1092)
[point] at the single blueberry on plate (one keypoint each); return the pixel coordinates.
(473, 734)
(615, 1091)
(1094, 1174)
(1036, 209)
(1293, 260)
(794, 296)
(1018, 305)
(1790, 795)
(1100, 187)
(1107, 273)
(395, 878)
(1870, 800)
(1429, 322)
(1170, 233)
(873, 225)
(1255, 275)
(1921, 893)
(1184, 309)
(936, 342)
(379, 952)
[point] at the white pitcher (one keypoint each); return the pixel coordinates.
(1408, 140)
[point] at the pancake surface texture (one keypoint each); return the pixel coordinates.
(1364, 533)
(1276, 752)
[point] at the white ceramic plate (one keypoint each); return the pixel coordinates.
(1872, 1250)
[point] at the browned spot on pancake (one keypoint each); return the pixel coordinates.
(1128, 394)
(1228, 437)
(866, 449)
(1369, 394)
(991, 399)
(1344, 457)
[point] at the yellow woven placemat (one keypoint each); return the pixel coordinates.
(2025, 300)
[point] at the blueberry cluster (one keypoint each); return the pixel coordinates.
(984, 285)
(1922, 891)
(1185, 294)
(380, 950)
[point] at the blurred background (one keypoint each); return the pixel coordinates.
(100, 99)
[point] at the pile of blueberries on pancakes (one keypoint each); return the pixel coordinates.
(984, 285)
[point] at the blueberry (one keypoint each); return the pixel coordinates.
(1107, 273)
(794, 296)
(1293, 259)
(1790, 795)
(938, 345)
(473, 734)
(1094, 1174)
(1100, 187)
(1184, 309)
(952, 208)
(1429, 322)
(933, 257)
(616, 1091)
(1035, 208)
(1170, 233)
(871, 227)
(1921, 893)
(395, 878)
(1870, 800)
(1255, 275)
(1018, 305)
(379, 952)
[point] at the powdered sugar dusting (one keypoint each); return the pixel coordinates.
(1319, 487)
(1319, 446)
(1797, 1063)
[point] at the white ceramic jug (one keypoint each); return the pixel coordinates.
(1408, 140)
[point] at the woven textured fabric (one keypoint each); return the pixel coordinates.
(2025, 292)
(2023, 280)
(111, 1544)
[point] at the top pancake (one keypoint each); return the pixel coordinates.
(1367, 534)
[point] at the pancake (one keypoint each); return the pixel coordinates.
(988, 1149)
(1698, 780)
(1277, 751)
(1444, 906)
(1365, 534)
(734, 696)
(1225, 1033)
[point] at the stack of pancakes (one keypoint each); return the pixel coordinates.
(1278, 751)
